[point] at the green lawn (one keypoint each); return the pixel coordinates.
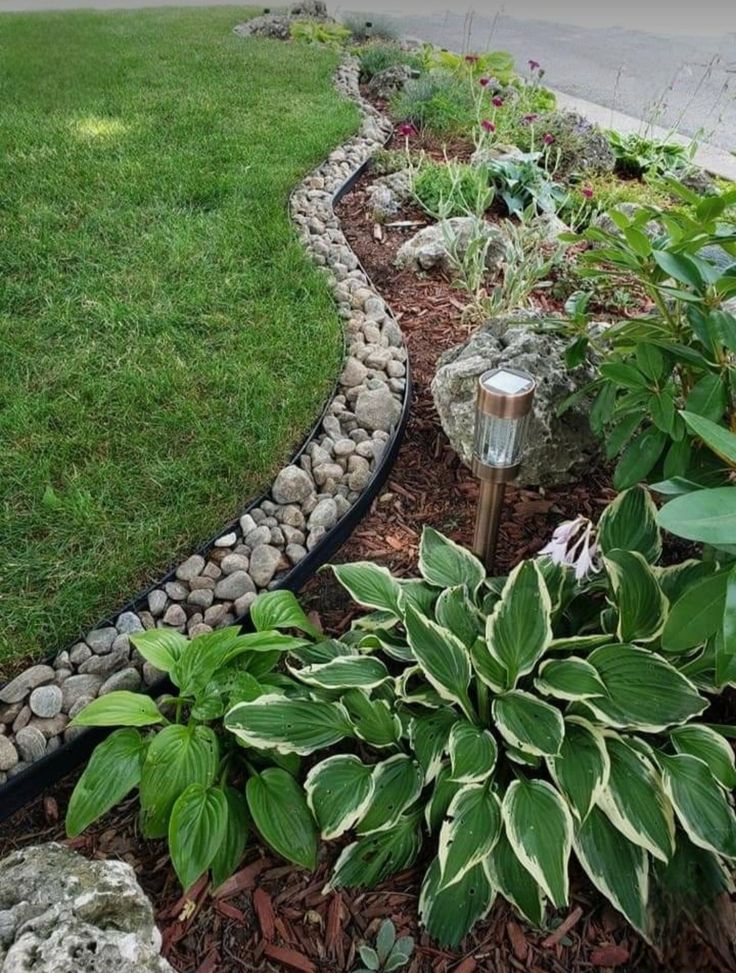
(164, 342)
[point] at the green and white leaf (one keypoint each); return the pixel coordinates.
(445, 788)
(375, 857)
(445, 564)
(469, 832)
(581, 768)
(456, 612)
(569, 679)
(344, 672)
(701, 806)
(514, 882)
(473, 753)
(197, 829)
(429, 735)
(641, 603)
(373, 719)
(443, 657)
(279, 811)
(710, 747)
(289, 725)
(339, 791)
(519, 630)
(449, 913)
(370, 585)
(630, 524)
(528, 723)
(397, 783)
(539, 828)
(488, 669)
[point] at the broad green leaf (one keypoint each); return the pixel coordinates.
(721, 440)
(680, 267)
(114, 769)
(581, 768)
(445, 788)
(375, 857)
(370, 585)
(630, 524)
(578, 643)
(569, 679)
(539, 829)
(515, 883)
(197, 828)
(418, 594)
(429, 734)
(519, 630)
(710, 747)
(397, 783)
(448, 914)
(177, 757)
(726, 644)
(696, 615)
(289, 725)
(445, 564)
(373, 719)
(643, 691)
(473, 753)
(121, 708)
(280, 609)
(443, 657)
(413, 689)
(279, 811)
(708, 398)
(708, 516)
(345, 672)
(641, 604)
(528, 723)
(639, 458)
(339, 791)
(469, 831)
(676, 579)
(635, 803)
(488, 669)
(455, 612)
(617, 868)
(230, 853)
(160, 646)
(315, 654)
(701, 806)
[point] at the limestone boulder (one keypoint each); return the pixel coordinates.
(440, 245)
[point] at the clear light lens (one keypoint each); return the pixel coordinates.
(499, 442)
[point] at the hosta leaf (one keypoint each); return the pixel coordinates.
(712, 748)
(177, 757)
(539, 828)
(701, 806)
(455, 611)
(519, 630)
(473, 753)
(644, 692)
(314, 654)
(443, 657)
(418, 594)
(514, 882)
(289, 725)
(429, 734)
(617, 868)
(197, 828)
(581, 768)
(412, 688)
(114, 769)
(635, 803)
(160, 646)
(445, 788)
(229, 854)
(279, 811)
(373, 719)
(569, 679)
(489, 670)
(708, 516)
(397, 783)
(345, 672)
(370, 585)
(448, 914)
(339, 791)
(469, 832)
(121, 708)
(696, 615)
(641, 604)
(375, 857)
(280, 609)
(630, 524)
(445, 564)
(528, 723)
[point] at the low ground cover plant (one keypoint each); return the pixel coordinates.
(377, 57)
(637, 155)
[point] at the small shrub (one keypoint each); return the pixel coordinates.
(438, 102)
(319, 32)
(636, 154)
(370, 27)
(452, 189)
(375, 58)
(524, 185)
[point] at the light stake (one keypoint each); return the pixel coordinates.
(502, 411)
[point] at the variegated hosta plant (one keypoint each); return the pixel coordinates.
(509, 724)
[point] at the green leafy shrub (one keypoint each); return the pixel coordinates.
(452, 188)
(438, 102)
(679, 356)
(515, 722)
(524, 185)
(319, 32)
(375, 58)
(197, 787)
(636, 154)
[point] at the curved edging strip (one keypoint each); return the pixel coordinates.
(281, 538)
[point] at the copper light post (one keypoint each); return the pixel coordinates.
(504, 403)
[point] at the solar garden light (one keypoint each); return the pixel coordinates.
(502, 411)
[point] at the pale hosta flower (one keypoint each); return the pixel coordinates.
(573, 543)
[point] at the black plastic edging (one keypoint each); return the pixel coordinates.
(50, 768)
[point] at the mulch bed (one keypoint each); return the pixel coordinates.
(272, 917)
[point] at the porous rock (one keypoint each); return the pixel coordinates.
(384, 84)
(430, 248)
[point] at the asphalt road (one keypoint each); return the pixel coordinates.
(685, 79)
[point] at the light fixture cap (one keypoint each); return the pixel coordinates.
(506, 393)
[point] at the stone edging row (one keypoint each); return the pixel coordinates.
(279, 540)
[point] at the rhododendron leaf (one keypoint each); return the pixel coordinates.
(696, 615)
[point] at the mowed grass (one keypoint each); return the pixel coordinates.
(164, 341)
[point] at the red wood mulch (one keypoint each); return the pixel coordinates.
(272, 917)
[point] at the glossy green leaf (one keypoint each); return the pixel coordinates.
(581, 768)
(528, 723)
(721, 440)
(279, 811)
(696, 615)
(160, 646)
(639, 458)
(280, 609)
(445, 564)
(449, 913)
(197, 829)
(708, 516)
(121, 708)
(230, 853)
(708, 398)
(519, 630)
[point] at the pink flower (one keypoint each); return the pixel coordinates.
(484, 82)
(587, 192)
(548, 138)
(471, 58)
(406, 129)
(533, 65)
(573, 544)
(497, 101)
(487, 126)
(530, 118)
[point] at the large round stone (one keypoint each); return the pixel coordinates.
(377, 409)
(292, 485)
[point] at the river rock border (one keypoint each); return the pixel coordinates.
(303, 508)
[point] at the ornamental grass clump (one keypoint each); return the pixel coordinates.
(501, 727)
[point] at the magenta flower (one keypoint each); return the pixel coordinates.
(530, 118)
(548, 138)
(533, 65)
(406, 129)
(487, 126)
(497, 101)
(471, 58)
(587, 192)
(484, 82)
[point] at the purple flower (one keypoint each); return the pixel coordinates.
(497, 101)
(548, 138)
(533, 65)
(573, 544)
(484, 82)
(472, 58)
(406, 129)
(587, 192)
(530, 118)
(487, 126)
